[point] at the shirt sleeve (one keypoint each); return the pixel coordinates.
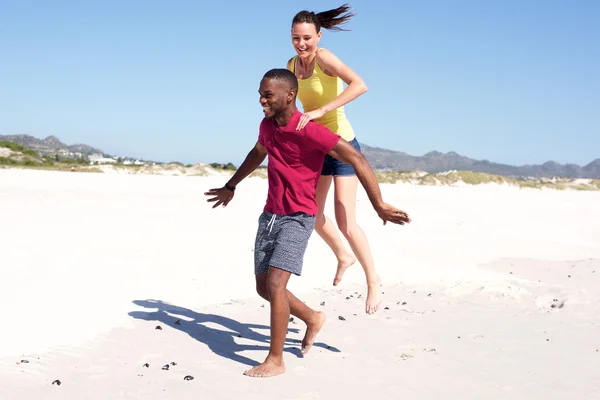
(261, 133)
(320, 137)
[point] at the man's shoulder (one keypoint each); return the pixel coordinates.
(315, 127)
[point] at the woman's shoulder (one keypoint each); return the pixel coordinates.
(325, 58)
(290, 66)
(324, 54)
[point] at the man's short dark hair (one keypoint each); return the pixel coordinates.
(285, 75)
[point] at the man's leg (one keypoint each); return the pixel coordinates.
(273, 365)
(286, 244)
(314, 320)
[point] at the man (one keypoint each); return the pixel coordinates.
(288, 218)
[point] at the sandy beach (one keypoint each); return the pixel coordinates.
(492, 292)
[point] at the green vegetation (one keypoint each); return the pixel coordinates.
(18, 148)
(227, 167)
(397, 176)
(383, 177)
(199, 171)
(7, 161)
(259, 173)
(468, 177)
(12, 146)
(23, 157)
(562, 184)
(429, 179)
(531, 184)
(478, 178)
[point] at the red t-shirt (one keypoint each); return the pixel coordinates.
(295, 163)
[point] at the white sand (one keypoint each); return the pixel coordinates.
(91, 263)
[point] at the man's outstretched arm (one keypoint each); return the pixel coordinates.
(253, 160)
(225, 194)
(345, 152)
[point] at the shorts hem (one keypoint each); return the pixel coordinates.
(297, 273)
(334, 167)
(342, 174)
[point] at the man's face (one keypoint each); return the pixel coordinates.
(275, 97)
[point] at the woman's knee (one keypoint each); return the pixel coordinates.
(345, 204)
(345, 221)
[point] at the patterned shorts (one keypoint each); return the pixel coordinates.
(281, 241)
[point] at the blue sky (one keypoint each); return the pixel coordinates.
(509, 81)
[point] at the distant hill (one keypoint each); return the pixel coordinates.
(379, 158)
(51, 145)
(434, 162)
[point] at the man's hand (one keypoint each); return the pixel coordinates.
(221, 196)
(345, 152)
(392, 214)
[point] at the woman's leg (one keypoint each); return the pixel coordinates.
(345, 214)
(329, 232)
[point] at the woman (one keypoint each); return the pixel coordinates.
(320, 89)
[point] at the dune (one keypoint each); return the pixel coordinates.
(132, 286)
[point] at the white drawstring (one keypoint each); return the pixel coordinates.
(271, 222)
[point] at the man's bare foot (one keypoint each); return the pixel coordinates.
(343, 264)
(373, 297)
(266, 370)
(312, 330)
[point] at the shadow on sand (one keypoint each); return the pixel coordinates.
(221, 341)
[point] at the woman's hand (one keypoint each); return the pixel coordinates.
(309, 116)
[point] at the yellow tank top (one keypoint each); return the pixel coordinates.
(318, 90)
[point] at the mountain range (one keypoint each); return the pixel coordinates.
(380, 159)
(50, 145)
(434, 161)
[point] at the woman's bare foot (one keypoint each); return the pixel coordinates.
(312, 330)
(343, 264)
(373, 297)
(266, 370)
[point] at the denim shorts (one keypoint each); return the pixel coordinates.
(334, 167)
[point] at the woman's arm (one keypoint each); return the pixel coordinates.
(333, 66)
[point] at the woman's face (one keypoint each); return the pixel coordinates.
(305, 38)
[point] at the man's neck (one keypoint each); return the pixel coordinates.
(286, 116)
